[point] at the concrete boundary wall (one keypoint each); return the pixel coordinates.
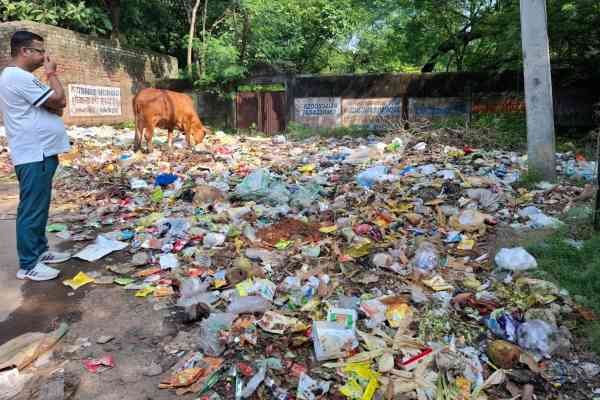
(436, 95)
(100, 77)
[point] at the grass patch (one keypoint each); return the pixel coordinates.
(126, 125)
(529, 180)
(300, 132)
(504, 131)
(576, 270)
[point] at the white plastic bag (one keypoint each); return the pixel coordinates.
(515, 259)
(537, 336)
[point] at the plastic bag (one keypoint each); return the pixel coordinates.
(213, 239)
(397, 145)
(371, 176)
(25, 349)
(503, 325)
(469, 220)
(260, 185)
(12, 383)
(363, 154)
(174, 227)
(427, 257)
(168, 261)
(165, 179)
(486, 198)
(529, 212)
(311, 389)
(194, 291)
(537, 336)
(583, 169)
(427, 169)
(332, 340)
(248, 304)
(541, 221)
(515, 259)
(209, 332)
(306, 195)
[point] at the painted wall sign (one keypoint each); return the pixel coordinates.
(373, 114)
(89, 101)
(433, 107)
(498, 104)
(321, 112)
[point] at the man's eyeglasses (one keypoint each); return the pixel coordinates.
(41, 51)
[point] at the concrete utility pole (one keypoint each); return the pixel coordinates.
(538, 88)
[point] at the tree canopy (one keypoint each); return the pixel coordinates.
(238, 37)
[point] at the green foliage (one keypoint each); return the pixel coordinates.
(126, 125)
(222, 67)
(243, 37)
(276, 87)
(75, 15)
(296, 35)
(578, 271)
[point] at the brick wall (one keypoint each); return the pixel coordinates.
(86, 60)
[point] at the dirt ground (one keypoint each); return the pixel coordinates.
(91, 312)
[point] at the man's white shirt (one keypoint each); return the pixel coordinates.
(32, 131)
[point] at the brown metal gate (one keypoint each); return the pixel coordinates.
(266, 110)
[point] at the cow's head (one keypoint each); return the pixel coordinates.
(197, 130)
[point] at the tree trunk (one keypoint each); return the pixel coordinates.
(245, 34)
(203, 54)
(113, 7)
(115, 19)
(461, 38)
(191, 38)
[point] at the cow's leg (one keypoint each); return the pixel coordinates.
(149, 136)
(188, 139)
(170, 140)
(139, 128)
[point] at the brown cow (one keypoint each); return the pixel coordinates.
(168, 110)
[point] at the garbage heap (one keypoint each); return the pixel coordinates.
(331, 268)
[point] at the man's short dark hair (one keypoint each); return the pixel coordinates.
(22, 39)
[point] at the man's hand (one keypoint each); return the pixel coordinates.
(55, 111)
(57, 100)
(49, 66)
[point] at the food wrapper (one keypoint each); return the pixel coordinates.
(78, 280)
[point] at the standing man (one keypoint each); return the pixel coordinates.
(36, 135)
